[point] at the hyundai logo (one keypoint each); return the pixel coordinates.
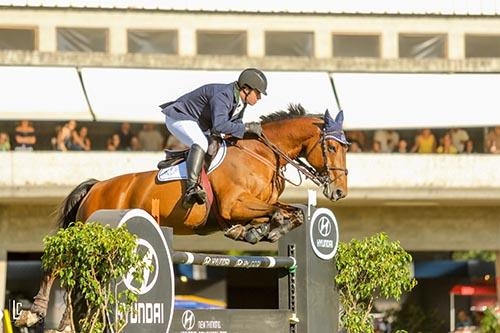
(324, 226)
(149, 277)
(188, 320)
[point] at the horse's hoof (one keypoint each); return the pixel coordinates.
(235, 232)
(27, 319)
(274, 235)
(252, 236)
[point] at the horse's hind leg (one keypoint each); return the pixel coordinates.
(38, 310)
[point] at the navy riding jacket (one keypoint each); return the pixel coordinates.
(212, 106)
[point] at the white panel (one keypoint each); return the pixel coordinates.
(488, 7)
(473, 7)
(42, 93)
(372, 101)
(311, 89)
(134, 94)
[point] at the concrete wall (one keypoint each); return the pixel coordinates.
(187, 23)
(386, 177)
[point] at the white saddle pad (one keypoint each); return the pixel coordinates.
(179, 171)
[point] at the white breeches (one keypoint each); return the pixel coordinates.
(187, 131)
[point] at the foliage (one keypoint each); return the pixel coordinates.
(89, 259)
(368, 269)
(490, 322)
(474, 255)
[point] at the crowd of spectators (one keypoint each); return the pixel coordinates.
(452, 141)
(70, 136)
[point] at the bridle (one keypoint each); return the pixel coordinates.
(325, 135)
(321, 177)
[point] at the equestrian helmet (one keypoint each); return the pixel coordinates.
(253, 78)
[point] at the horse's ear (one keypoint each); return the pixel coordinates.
(339, 119)
(329, 122)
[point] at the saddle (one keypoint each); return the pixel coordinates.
(174, 157)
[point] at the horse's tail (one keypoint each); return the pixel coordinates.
(66, 213)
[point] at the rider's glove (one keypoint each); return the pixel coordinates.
(253, 128)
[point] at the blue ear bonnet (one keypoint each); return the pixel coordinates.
(333, 128)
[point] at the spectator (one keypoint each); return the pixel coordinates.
(135, 144)
(4, 142)
(150, 138)
(81, 141)
(463, 319)
(376, 147)
(469, 147)
(446, 146)
(358, 136)
(425, 142)
(125, 136)
(402, 146)
(25, 137)
(65, 137)
(458, 138)
(493, 141)
(354, 147)
(113, 142)
(388, 140)
(60, 144)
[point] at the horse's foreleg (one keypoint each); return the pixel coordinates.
(294, 218)
(38, 310)
(254, 214)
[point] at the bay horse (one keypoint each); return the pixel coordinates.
(246, 186)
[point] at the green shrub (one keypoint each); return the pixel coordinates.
(490, 322)
(89, 259)
(368, 269)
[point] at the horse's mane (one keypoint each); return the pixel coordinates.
(293, 111)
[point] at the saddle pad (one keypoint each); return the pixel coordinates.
(179, 171)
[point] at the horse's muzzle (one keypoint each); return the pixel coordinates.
(332, 193)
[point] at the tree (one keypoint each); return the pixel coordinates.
(89, 259)
(368, 269)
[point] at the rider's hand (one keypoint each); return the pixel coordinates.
(253, 128)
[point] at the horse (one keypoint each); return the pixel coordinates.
(246, 186)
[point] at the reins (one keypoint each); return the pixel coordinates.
(305, 169)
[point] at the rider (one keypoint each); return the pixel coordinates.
(212, 109)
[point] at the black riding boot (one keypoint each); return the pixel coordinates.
(194, 191)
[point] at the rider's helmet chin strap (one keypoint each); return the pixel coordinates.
(246, 96)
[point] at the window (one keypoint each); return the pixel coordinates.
(17, 39)
(422, 46)
(82, 39)
(477, 46)
(152, 41)
(366, 46)
(222, 42)
(289, 43)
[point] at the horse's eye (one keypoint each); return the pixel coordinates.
(332, 149)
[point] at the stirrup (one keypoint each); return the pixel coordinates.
(195, 194)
